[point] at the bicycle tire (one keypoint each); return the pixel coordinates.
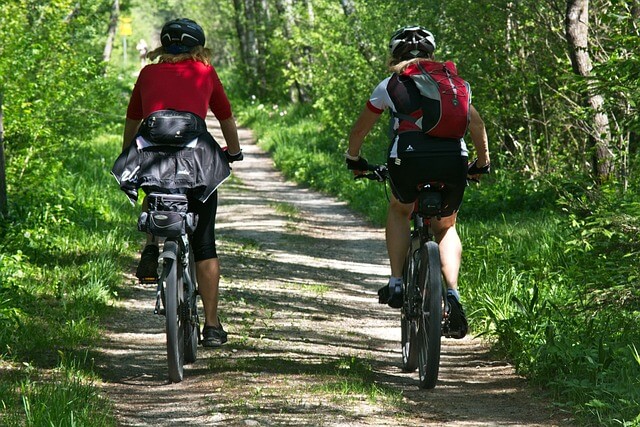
(191, 322)
(408, 323)
(174, 294)
(430, 322)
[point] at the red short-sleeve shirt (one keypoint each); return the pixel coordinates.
(184, 86)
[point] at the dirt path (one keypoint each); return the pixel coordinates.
(308, 343)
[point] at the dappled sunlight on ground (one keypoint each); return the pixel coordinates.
(308, 343)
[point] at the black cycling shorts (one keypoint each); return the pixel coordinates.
(450, 169)
(203, 240)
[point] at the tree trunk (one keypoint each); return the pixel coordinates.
(111, 32)
(577, 31)
(263, 24)
(3, 180)
(240, 28)
(349, 9)
(297, 92)
(310, 12)
(251, 40)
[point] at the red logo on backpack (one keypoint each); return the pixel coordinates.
(448, 116)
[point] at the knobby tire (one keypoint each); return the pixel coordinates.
(430, 323)
(408, 322)
(174, 296)
(191, 323)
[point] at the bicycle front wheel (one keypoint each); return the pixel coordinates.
(174, 299)
(430, 322)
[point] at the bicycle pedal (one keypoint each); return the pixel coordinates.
(148, 280)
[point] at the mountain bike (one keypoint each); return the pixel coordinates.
(424, 312)
(176, 293)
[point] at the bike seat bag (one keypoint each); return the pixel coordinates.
(167, 216)
(172, 127)
(429, 202)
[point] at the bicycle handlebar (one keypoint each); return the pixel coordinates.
(380, 173)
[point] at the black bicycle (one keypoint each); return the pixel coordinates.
(176, 293)
(424, 313)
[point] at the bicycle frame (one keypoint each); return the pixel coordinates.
(177, 248)
(421, 232)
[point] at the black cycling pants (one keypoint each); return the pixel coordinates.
(203, 240)
(412, 171)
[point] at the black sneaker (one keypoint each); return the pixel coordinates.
(147, 270)
(394, 300)
(458, 325)
(213, 336)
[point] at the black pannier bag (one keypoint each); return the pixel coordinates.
(167, 216)
(172, 127)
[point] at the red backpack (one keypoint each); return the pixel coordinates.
(446, 99)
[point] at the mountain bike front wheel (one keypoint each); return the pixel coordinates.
(174, 299)
(430, 321)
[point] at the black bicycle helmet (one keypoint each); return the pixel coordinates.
(181, 35)
(412, 42)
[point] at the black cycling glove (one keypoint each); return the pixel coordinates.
(233, 157)
(357, 165)
(475, 170)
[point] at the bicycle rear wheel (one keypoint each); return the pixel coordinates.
(408, 323)
(174, 298)
(430, 322)
(191, 319)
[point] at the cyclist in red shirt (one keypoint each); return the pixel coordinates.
(184, 80)
(414, 158)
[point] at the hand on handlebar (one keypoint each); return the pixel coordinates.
(358, 166)
(474, 172)
(233, 157)
(378, 173)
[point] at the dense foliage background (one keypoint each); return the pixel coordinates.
(550, 270)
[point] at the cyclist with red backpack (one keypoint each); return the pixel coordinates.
(431, 111)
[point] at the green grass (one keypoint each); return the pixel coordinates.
(549, 272)
(314, 288)
(66, 396)
(65, 243)
(288, 210)
(343, 378)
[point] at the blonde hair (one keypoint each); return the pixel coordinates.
(197, 53)
(397, 66)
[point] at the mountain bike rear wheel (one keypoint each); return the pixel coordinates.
(410, 308)
(430, 322)
(174, 298)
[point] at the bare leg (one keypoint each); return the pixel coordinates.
(398, 234)
(450, 246)
(208, 272)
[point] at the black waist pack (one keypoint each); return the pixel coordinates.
(167, 216)
(172, 127)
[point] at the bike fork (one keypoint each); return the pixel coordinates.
(159, 306)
